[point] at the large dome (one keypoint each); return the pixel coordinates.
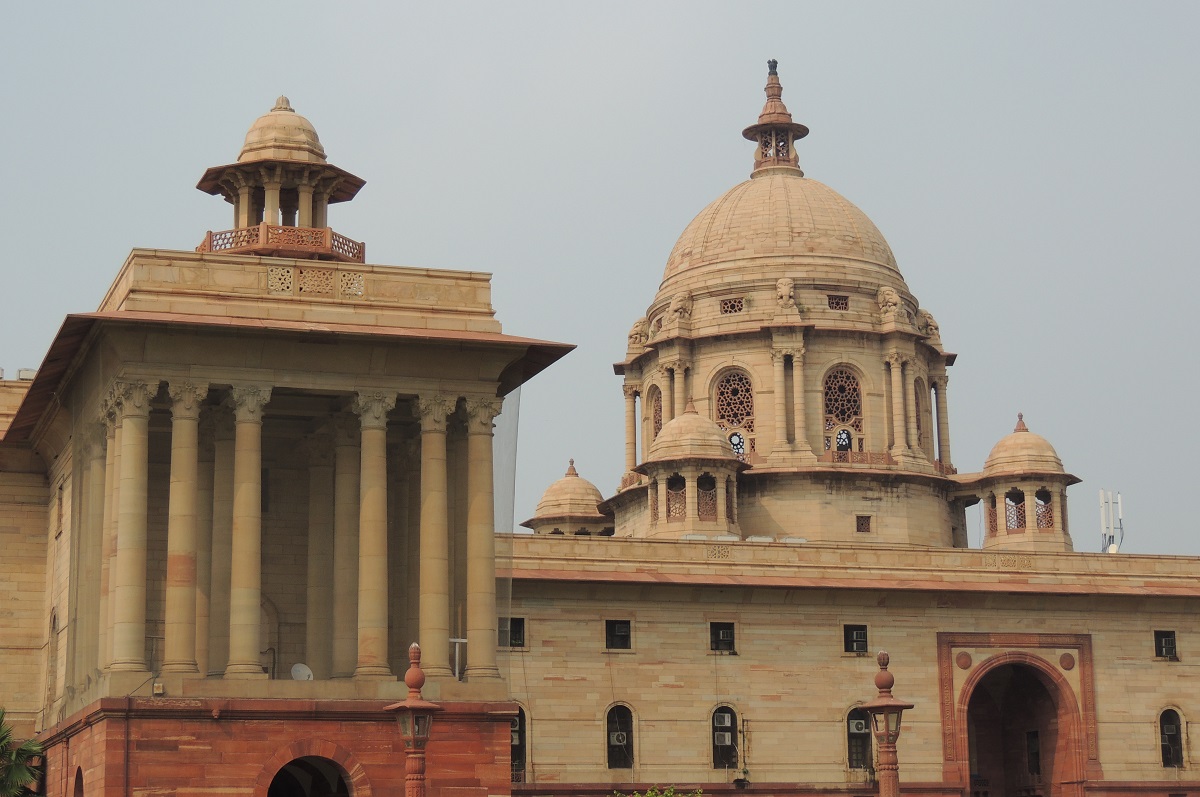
(282, 134)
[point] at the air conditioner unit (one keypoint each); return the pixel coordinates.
(617, 739)
(515, 723)
(725, 634)
(516, 739)
(723, 739)
(859, 636)
(859, 646)
(621, 630)
(1168, 730)
(859, 726)
(722, 721)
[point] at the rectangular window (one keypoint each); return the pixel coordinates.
(862, 524)
(734, 305)
(858, 750)
(720, 637)
(512, 632)
(854, 638)
(1164, 645)
(839, 302)
(618, 634)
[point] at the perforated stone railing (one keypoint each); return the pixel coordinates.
(272, 239)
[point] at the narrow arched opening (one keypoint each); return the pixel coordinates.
(310, 776)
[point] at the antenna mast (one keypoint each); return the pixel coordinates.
(1112, 522)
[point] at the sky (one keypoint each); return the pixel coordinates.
(1033, 166)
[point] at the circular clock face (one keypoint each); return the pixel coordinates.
(738, 442)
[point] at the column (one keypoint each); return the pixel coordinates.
(943, 423)
(722, 515)
(305, 196)
(662, 497)
(318, 642)
(179, 648)
(631, 393)
(222, 540)
(129, 617)
(271, 202)
(92, 542)
(245, 207)
(680, 403)
(107, 538)
(204, 527)
(691, 495)
(113, 507)
(372, 409)
(800, 418)
(777, 362)
(1030, 507)
(321, 209)
(346, 464)
(899, 443)
(245, 573)
(910, 402)
(481, 538)
(435, 542)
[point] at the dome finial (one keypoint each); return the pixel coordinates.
(775, 131)
(282, 104)
(571, 468)
(690, 407)
(1021, 427)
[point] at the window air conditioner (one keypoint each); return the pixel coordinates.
(860, 646)
(725, 634)
(515, 723)
(621, 630)
(617, 739)
(724, 739)
(859, 636)
(858, 726)
(516, 739)
(1168, 730)
(722, 720)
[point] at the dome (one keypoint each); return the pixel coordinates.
(690, 435)
(282, 134)
(1022, 452)
(570, 496)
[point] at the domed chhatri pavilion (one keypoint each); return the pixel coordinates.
(233, 495)
(788, 506)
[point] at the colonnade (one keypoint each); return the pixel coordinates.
(905, 434)
(214, 563)
(305, 205)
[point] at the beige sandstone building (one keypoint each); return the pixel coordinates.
(267, 452)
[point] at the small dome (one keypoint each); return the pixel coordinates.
(570, 496)
(282, 134)
(690, 435)
(1022, 452)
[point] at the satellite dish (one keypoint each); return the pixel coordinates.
(301, 672)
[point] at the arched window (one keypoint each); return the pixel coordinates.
(619, 734)
(724, 738)
(858, 739)
(518, 746)
(654, 402)
(843, 414)
(676, 498)
(1170, 736)
(706, 497)
(1045, 511)
(78, 782)
(734, 403)
(1014, 509)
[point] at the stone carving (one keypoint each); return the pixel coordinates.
(352, 284)
(639, 333)
(248, 402)
(318, 281)
(928, 326)
(888, 301)
(433, 411)
(681, 307)
(785, 293)
(279, 279)
(186, 398)
(372, 407)
(481, 412)
(131, 398)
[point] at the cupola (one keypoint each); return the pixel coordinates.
(570, 507)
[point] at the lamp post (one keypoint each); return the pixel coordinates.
(886, 712)
(415, 716)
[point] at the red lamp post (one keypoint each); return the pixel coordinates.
(886, 712)
(415, 716)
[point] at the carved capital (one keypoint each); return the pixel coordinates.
(372, 407)
(777, 355)
(186, 398)
(133, 398)
(248, 402)
(895, 359)
(631, 390)
(480, 414)
(433, 411)
(676, 365)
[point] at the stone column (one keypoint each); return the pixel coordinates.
(481, 539)
(108, 541)
(680, 401)
(435, 542)
(631, 393)
(691, 495)
(943, 423)
(722, 515)
(245, 208)
(800, 418)
(305, 196)
(318, 641)
(1030, 508)
(204, 527)
(662, 497)
(899, 441)
(222, 540)
(129, 620)
(271, 202)
(245, 576)
(346, 464)
(777, 362)
(372, 408)
(92, 545)
(111, 519)
(180, 626)
(910, 394)
(321, 209)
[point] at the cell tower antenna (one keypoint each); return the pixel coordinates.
(1112, 522)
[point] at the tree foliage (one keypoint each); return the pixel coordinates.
(18, 770)
(655, 791)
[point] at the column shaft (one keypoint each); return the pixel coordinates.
(180, 627)
(92, 546)
(372, 409)
(899, 441)
(222, 542)
(204, 528)
(435, 541)
(346, 464)
(245, 208)
(630, 427)
(798, 407)
(777, 363)
(129, 623)
(910, 400)
(680, 391)
(318, 642)
(481, 538)
(943, 425)
(271, 203)
(305, 194)
(107, 543)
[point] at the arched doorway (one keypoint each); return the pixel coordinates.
(310, 776)
(1022, 730)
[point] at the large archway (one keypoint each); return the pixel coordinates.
(1022, 734)
(310, 776)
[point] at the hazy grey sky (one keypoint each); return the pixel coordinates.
(1033, 165)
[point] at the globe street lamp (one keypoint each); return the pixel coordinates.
(886, 712)
(415, 716)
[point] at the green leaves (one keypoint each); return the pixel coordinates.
(18, 771)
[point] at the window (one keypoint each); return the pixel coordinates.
(858, 739)
(618, 634)
(1045, 511)
(1033, 753)
(720, 637)
(735, 411)
(1014, 509)
(1164, 645)
(676, 498)
(656, 411)
(838, 302)
(732, 305)
(724, 738)
(619, 734)
(843, 413)
(854, 638)
(512, 632)
(706, 497)
(862, 524)
(1170, 735)
(517, 747)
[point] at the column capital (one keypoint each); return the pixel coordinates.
(798, 351)
(248, 402)
(186, 398)
(433, 411)
(480, 414)
(777, 355)
(372, 407)
(677, 365)
(895, 358)
(631, 390)
(132, 398)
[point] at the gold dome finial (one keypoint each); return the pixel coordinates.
(775, 132)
